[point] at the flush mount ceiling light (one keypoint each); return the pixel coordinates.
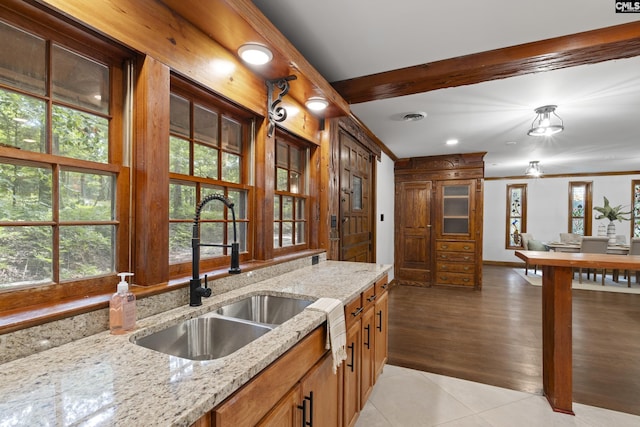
(545, 124)
(452, 141)
(255, 54)
(414, 117)
(316, 103)
(534, 169)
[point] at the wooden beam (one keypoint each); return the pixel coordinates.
(620, 41)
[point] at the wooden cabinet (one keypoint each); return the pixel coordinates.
(320, 396)
(381, 322)
(439, 220)
(351, 380)
(286, 413)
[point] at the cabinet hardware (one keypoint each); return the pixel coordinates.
(352, 348)
(467, 248)
(379, 327)
(358, 311)
(372, 298)
(303, 408)
(444, 246)
(368, 329)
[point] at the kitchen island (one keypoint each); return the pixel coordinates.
(106, 380)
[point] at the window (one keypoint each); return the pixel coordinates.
(580, 208)
(60, 162)
(290, 199)
(208, 147)
(516, 215)
(635, 211)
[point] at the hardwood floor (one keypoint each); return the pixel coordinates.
(495, 337)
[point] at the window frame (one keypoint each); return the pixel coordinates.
(635, 208)
(305, 151)
(224, 109)
(102, 51)
(523, 215)
(588, 206)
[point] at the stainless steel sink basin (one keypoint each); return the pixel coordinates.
(203, 338)
(266, 309)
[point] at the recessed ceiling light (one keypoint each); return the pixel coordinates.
(255, 54)
(414, 117)
(511, 143)
(452, 141)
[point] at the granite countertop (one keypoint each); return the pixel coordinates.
(105, 380)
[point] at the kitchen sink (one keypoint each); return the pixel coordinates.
(264, 309)
(203, 338)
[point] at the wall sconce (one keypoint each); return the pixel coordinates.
(276, 112)
(542, 125)
(317, 103)
(534, 169)
(255, 54)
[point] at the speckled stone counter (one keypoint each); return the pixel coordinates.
(106, 380)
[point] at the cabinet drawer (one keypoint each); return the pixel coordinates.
(455, 267)
(455, 257)
(381, 285)
(455, 279)
(455, 246)
(369, 297)
(353, 311)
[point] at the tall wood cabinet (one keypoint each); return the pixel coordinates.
(438, 213)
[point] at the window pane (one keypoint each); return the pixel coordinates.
(25, 193)
(287, 207)
(205, 161)
(300, 214)
(86, 197)
(25, 256)
(294, 182)
(205, 123)
(86, 250)
(180, 234)
(179, 113)
(282, 176)
(178, 155)
(287, 234)
(23, 65)
(356, 197)
(230, 167)
(276, 208)
(80, 135)
(182, 201)
(577, 206)
(239, 199)
(281, 155)
(276, 235)
(231, 135)
(211, 232)
(215, 208)
(300, 233)
(22, 121)
(636, 210)
(79, 81)
(294, 159)
(241, 235)
(577, 226)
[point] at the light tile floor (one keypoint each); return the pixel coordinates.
(409, 398)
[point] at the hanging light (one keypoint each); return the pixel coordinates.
(534, 169)
(545, 124)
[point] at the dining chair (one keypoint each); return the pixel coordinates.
(634, 249)
(531, 244)
(593, 245)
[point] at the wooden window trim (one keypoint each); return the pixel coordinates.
(634, 217)
(523, 215)
(588, 205)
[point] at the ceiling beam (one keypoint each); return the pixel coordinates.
(620, 41)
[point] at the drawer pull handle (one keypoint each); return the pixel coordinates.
(358, 311)
(379, 327)
(352, 348)
(444, 246)
(304, 410)
(467, 248)
(368, 342)
(372, 298)
(466, 258)
(465, 279)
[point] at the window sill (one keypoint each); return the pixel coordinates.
(27, 317)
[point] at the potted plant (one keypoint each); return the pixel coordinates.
(612, 214)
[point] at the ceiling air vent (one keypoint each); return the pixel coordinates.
(414, 117)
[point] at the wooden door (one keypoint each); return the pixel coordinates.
(320, 395)
(286, 413)
(413, 232)
(356, 201)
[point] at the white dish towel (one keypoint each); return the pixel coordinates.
(336, 329)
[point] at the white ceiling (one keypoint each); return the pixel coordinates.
(600, 103)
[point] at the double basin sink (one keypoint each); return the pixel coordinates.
(224, 330)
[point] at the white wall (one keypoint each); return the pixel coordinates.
(385, 195)
(547, 209)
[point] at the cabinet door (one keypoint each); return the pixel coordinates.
(351, 387)
(456, 209)
(286, 413)
(368, 358)
(381, 332)
(320, 395)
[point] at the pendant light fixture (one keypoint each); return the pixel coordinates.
(546, 122)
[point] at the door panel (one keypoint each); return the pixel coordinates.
(356, 210)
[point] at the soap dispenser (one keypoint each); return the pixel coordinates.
(122, 308)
